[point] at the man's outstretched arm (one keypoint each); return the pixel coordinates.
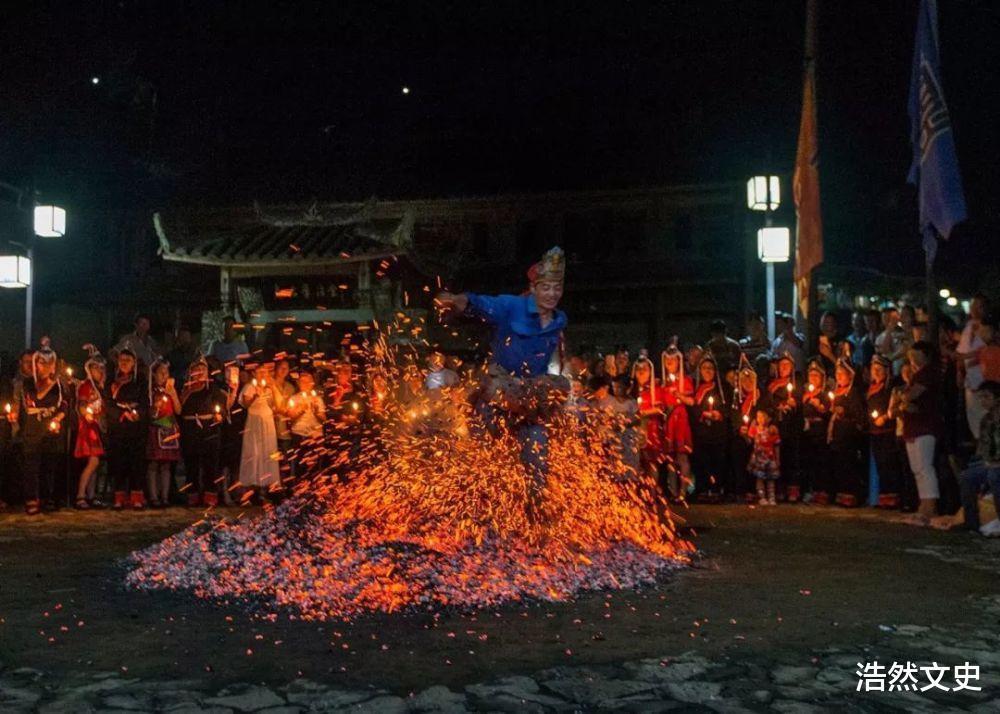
(492, 308)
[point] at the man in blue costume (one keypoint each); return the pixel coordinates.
(521, 387)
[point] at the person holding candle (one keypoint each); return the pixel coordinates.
(89, 445)
(40, 414)
(649, 398)
(845, 434)
(784, 399)
(163, 446)
(882, 432)
(203, 410)
(307, 414)
(127, 407)
(741, 413)
(259, 468)
(678, 394)
(815, 484)
(709, 430)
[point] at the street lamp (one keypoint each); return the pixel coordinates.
(15, 271)
(50, 222)
(773, 246)
(763, 193)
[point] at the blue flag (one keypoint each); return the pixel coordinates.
(934, 170)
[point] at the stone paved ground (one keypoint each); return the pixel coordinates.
(776, 617)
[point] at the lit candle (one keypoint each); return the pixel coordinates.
(874, 413)
(6, 407)
(90, 411)
(790, 387)
(746, 419)
(355, 406)
(54, 425)
(263, 382)
(831, 395)
(291, 403)
(255, 381)
(812, 387)
(673, 377)
(69, 371)
(711, 401)
(218, 409)
(312, 393)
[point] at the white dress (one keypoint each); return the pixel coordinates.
(258, 466)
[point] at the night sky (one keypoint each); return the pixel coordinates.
(218, 103)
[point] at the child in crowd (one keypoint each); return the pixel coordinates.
(765, 458)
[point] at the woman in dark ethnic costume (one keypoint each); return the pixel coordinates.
(41, 412)
(127, 406)
(882, 433)
(845, 434)
(783, 393)
(709, 429)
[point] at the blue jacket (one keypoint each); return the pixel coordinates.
(520, 344)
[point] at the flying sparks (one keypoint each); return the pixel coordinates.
(410, 503)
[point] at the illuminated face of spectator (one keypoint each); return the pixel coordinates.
(707, 372)
(126, 363)
(878, 372)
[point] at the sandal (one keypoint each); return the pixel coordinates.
(81, 504)
(31, 508)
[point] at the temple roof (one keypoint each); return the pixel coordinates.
(255, 237)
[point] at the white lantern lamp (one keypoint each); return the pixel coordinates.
(763, 193)
(50, 222)
(15, 271)
(773, 244)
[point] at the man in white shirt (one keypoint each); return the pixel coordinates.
(968, 352)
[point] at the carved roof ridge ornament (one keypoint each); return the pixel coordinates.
(312, 216)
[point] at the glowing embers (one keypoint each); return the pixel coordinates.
(415, 505)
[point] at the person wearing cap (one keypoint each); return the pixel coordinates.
(882, 433)
(788, 340)
(527, 337)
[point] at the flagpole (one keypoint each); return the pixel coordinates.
(809, 52)
(931, 296)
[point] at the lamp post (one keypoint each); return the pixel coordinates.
(16, 268)
(764, 194)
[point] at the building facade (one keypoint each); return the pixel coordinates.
(642, 264)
